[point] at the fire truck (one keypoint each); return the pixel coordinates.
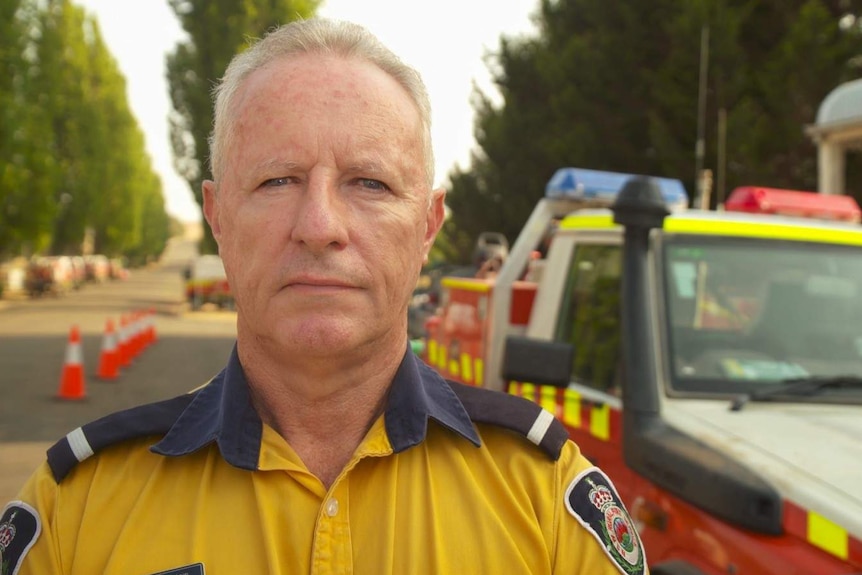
(206, 283)
(709, 361)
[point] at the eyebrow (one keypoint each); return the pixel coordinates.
(366, 167)
(275, 164)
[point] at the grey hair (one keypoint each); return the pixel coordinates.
(314, 36)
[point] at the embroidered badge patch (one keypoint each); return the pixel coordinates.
(19, 529)
(196, 569)
(593, 501)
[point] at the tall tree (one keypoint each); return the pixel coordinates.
(153, 236)
(72, 157)
(614, 86)
(11, 47)
(60, 79)
(26, 165)
(217, 30)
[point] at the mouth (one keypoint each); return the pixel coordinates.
(318, 284)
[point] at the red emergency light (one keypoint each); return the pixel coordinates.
(754, 199)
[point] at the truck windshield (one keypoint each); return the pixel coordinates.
(745, 314)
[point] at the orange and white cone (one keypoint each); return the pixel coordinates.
(134, 340)
(124, 346)
(72, 379)
(109, 361)
(138, 335)
(152, 336)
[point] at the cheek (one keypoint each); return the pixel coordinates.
(401, 250)
(246, 237)
(254, 226)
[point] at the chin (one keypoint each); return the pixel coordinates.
(321, 338)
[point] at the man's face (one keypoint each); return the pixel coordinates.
(323, 215)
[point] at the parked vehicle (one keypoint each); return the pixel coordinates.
(13, 275)
(118, 269)
(710, 362)
(206, 283)
(97, 268)
(49, 275)
(426, 296)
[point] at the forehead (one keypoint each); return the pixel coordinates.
(337, 75)
(328, 98)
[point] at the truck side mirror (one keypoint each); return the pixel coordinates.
(537, 361)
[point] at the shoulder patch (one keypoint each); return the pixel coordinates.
(20, 527)
(592, 499)
(514, 413)
(87, 440)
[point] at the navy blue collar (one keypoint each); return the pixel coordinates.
(222, 412)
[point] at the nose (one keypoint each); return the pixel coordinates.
(321, 216)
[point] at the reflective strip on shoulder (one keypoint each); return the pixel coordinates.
(81, 448)
(86, 441)
(601, 420)
(540, 427)
(514, 413)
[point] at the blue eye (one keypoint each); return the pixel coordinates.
(276, 182)
(372, 184)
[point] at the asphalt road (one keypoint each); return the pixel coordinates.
(191, 347)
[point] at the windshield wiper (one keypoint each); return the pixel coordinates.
(798, 386)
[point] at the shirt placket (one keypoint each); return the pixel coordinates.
(332, 551)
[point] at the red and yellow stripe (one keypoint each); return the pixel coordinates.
(600, 419)
(822, 533)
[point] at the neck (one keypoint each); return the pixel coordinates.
(323, 409)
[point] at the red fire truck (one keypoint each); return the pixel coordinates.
(709, 361)
(206, 283)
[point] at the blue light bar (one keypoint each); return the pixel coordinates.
(603, 187)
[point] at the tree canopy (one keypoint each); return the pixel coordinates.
(614, 86)
(73, 164)
(217, 29)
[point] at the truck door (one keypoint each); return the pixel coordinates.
(587, 316)
(589, 320)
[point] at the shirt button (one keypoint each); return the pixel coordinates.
(332, 507)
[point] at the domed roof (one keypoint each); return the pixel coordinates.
(843, 104)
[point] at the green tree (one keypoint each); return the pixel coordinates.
(154, 235)
(73, 163)
(614, 86)
(26, 164)
(11, 47)
(217, 30)
(59, 82)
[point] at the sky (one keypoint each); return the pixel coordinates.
(445, 40)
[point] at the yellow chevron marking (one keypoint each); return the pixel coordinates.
(827, 535)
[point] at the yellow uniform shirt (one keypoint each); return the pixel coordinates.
(445, 481)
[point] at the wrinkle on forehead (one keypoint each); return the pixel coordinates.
(382, 130)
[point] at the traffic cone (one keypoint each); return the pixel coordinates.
(109, 362)
(134, 335)
(72, 379)
(124, 345)
(139, 337)
(152, 336)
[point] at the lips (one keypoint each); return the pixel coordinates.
(310, 281)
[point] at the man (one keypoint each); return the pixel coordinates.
(324, 446)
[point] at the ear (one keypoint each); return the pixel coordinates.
(434, 219)
(211, 207)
